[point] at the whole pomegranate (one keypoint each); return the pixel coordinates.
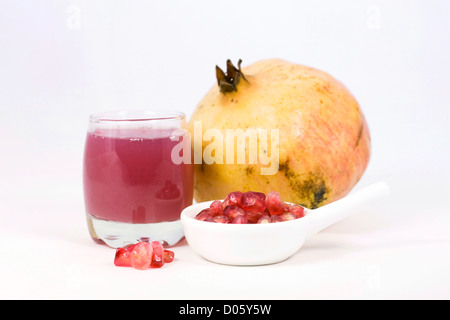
(323, 144)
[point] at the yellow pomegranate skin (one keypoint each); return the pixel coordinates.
(324, 140)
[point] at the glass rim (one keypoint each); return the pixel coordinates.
(136, 115)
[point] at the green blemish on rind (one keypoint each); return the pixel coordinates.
(310, 187)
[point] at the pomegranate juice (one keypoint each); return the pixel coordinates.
(129, 176)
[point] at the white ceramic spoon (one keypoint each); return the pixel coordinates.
(256, 244)
(323, 217)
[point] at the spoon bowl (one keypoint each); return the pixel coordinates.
(259, 244)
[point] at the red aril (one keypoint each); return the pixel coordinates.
(265, 219)
(253, 202)
(233, 199)
(122, 257)
(204, 215)
(157, 259)
(260, 195)
(221, 219)
(216, 208)
(168, 256)
(288, 216)
(141, 255)
(251, 207)
(274, 203)
(277, 218)
(232, 212)
(253, 217)
(298, 210)
(240, 219)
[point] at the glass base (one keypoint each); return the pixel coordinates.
(119, 234)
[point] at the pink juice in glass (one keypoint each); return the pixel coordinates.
(133, 190)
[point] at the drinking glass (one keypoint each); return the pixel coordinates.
(133, 188)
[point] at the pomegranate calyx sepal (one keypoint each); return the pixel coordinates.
(228, 81)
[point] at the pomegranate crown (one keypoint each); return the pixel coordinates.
(228, 82)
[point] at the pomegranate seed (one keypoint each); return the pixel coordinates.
(232, 212)
(253, 202)
(298, 210)
(216, 208)
(233, 199)
(240, 219)
(122, 257)
(251, 207)
(276, 218)
(274, 203)
(207, 210)
(168, 256)
(253, 217)
(141, 256)
(260, 195)
(265, 219)
(221, 219)
(204, 215)
(157, 258)
(288, 216)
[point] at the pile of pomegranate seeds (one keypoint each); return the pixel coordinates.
(143, 255)
(251, 207)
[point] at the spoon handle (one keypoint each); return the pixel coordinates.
(329, 214)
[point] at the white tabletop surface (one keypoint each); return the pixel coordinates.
(398, 249)
(60, 62)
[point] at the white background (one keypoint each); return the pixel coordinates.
(62, 60)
